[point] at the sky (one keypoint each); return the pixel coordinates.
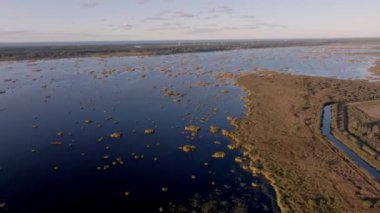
(124, 20)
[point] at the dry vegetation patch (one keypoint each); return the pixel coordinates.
(281, 133)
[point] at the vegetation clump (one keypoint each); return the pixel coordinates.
(214, 129)
(219, 155)
(231, 146)
(239, 160)
(188, 148)
(149, 131)
(192, 128)
(116, 135)
(56, 142)
(88, 121)
(254, 185)
(171, 93)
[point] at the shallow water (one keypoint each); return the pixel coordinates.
(326, 129)
(126, 95)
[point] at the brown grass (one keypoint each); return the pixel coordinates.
(376, 68)
(281, 133)
(371, 108)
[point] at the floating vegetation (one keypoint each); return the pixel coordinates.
(202, 84)
(239, 160)
(231, 146)
(105, 167)
(116, 135)
(214, 129)
(56, 142)
(254, 185)
(230, 118)
(119, 161)
(219, 155)
(149, 131)
(137, 157)
(60, 134)
(225, 132)
(188, 148)
(88, 121)
(192, 128)
(170, 93)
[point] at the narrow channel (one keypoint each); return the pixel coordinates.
(326, 130)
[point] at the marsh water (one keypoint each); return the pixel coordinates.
(56, 117)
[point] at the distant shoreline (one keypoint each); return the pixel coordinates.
(152, 42)
(58, 50)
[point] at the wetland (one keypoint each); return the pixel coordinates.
(153, 133)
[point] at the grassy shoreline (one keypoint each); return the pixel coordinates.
(376, 68)
(307, 172)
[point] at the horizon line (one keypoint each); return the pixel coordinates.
(187, 40)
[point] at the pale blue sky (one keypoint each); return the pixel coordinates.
(102, 20)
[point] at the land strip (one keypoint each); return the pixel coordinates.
(144, 49)
(41, 51)
(281, 136)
